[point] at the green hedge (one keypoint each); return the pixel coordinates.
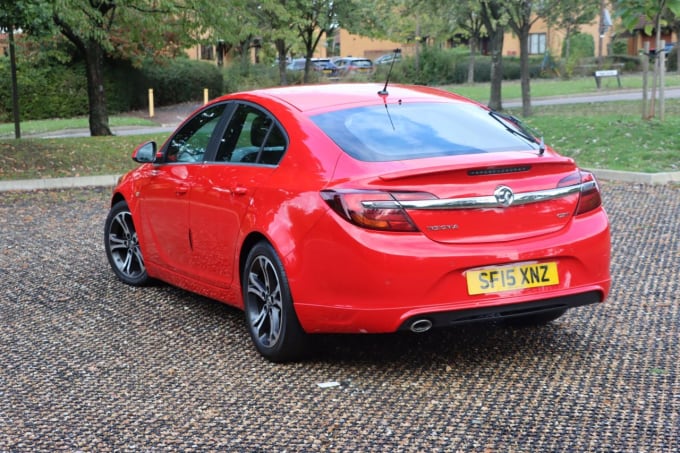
(60, 91)
(44, 92)
(450, 66)
(178, 81)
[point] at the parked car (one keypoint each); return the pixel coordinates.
(322, 65)
(297, 64)
(349, 208)
(349, 66)
(388, 58)
(326, 66)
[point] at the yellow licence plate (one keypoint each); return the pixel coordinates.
(508, 278)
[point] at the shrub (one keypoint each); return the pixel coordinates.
(55, 90)
(450, 66)
(582, 46)
(179, 80)
(44, 91)
(620, 47)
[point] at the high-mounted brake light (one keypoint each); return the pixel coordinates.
(590, 197)
(375, 210)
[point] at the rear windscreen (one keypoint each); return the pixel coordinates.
(411, 131)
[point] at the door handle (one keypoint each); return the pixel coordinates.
(240, 190)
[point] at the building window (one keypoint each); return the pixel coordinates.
(536, 43)
(206, 52)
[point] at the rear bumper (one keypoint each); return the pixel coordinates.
(368, 282)
(450, 318)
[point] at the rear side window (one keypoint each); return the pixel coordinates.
(403, 131)
(252, 136)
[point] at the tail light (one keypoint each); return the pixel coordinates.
(375, 210)
(590, 191)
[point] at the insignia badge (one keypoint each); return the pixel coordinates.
(504, 196)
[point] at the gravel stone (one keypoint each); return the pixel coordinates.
(90, 364)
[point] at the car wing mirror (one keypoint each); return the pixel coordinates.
(145, 153)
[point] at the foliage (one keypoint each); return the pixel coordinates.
(180, 80)
(582, 46)
(56, 90)
(575, 49)
(450, 66)
(28, 15)
(45, 91)
(620, 47)
(653, 11)
(672, 59)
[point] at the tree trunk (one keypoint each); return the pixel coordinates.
(471, 63)
(496, 44)
(15, 85)
(281, 50)
(94, 64)
(525, 75)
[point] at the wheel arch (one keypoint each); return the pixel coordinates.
(117, 196)
(248, 243)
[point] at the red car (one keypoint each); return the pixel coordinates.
(360, 208)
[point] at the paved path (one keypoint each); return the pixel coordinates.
(609, 96)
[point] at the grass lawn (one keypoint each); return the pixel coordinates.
(598, 135)
(60, 124)
(612, 135)
(34, 158)
(556, 87)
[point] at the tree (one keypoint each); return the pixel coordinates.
(312, 20)
(493, 18)
(652, 13)
(28, 16)
(128, 28)
(521, 16)
(275, 19)
(469, 19)
(570, 15)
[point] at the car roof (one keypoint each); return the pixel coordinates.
(327, 97)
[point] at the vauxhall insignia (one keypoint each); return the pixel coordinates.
(504, 196)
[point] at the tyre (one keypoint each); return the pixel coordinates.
(536, 319)
(122, 246)
(270, 316)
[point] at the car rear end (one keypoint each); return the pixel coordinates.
(439, 213)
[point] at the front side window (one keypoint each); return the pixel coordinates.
(402, 131)
(190, 143)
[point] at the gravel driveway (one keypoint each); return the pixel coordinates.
(89, 364)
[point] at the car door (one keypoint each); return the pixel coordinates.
(164, 200)
(245, 157)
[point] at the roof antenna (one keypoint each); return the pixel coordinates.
(384, 92)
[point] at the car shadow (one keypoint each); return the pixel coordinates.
(486, 342)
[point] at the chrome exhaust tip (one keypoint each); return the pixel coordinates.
(421, 325)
